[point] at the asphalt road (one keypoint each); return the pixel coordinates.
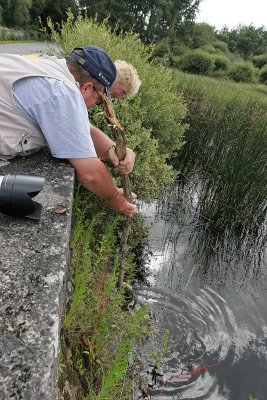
(27, 48)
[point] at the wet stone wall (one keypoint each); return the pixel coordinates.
(34, 282)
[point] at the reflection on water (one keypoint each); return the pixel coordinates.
(215, 309)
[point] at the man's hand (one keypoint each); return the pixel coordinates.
(126, 165)
(96, 177)
(119, 203)
(105, 150)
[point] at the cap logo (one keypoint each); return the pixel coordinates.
(104, 78)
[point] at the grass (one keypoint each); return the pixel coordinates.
(12, 35)
(98, 331)
(221, 87)
(226, 148)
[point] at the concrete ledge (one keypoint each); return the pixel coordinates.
(34, 267)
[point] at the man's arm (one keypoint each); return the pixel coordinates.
(95, 176)
(101, 142)
(103, 146)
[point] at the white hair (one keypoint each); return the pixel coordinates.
(127, 75)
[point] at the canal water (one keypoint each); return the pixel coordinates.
(209, 305)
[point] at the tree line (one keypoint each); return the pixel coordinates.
(170, 24)
(25, 13)
(151, 19)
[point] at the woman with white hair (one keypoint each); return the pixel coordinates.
(127, 82)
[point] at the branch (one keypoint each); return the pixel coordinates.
(121, 141)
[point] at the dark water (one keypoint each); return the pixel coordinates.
(213, 306)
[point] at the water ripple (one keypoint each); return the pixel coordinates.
(217, 327)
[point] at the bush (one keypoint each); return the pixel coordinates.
(161, 49)
(174, 61)
(221, 63)
(197, 62)
(263, 75)
(210, 49)
(259, 61)
(153, 120)
(222, 46)
(242, 72)
(180, 50)
(28, 33)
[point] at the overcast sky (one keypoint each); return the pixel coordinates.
(233, 12)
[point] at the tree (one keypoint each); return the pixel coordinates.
(202, 34)
(55, 9)
(151, 19)
(36, 11)
(8, 8)
(22, 12)
(181, 17)
(245, 40)
(16, 12)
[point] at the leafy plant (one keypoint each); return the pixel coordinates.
(222, 46)
(197, 62)
(156, 357)
(221, 63)
(260, 60)
(263, 75)
(179, 50)
(208, 48)
(98, 334)
(242, 72)
(161, 49)
(112, 379)
(174, 61)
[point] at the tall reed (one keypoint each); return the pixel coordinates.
(226, 146)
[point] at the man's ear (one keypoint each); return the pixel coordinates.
(86, 86)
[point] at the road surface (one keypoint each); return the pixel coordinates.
(28, 48)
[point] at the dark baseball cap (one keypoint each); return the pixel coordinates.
(98, 63)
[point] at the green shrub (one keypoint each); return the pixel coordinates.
(263, 75)
(259, 61)
(221, 63)
(197, 62)
(179, 50)
(153, 120)
(161, 49)
(222, 46)
(242, 72)
(174, 61)
(210, 49)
